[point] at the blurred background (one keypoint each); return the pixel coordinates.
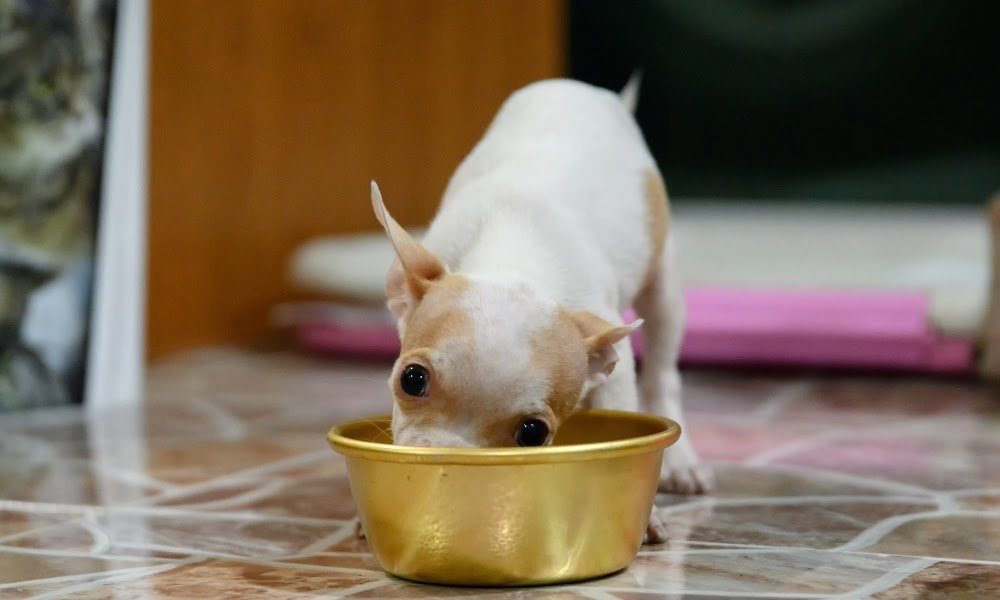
(893, 100)
(807, 144)
(268, 118)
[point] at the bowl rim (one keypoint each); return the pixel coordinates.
(508, 456)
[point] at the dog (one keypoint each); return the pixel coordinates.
(509, 309)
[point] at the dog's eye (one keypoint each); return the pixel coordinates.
(414, 380)
(533, 432)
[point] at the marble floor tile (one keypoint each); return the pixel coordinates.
(223, 486)
(406, 589)
(736, 440)
(741, 480)
(969, 536)
(218, 535)
(323, 497)
(233, 580)
(750, 571)
(70, 481)
(20, 568)
(14, 523)
(947, 580)
(740, 396)
(916, 455)
(186, 461)
(989, 501)
(827, 523)
(69, 534)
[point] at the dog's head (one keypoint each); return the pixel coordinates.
(484, 362)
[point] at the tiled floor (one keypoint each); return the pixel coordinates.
(830, 487)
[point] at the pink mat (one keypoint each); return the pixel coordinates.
(857, 330)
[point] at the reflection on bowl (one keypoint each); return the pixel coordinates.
(508, 516)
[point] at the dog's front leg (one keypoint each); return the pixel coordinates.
(619, 392)
(661, 305)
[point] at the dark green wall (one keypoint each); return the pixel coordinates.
(887, 100)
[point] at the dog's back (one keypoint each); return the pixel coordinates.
(568, 159)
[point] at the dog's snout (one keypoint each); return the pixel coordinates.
(434, 439)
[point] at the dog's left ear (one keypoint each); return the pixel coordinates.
(415, 268)
(599, 338)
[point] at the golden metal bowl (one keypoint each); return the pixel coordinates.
(508, 516)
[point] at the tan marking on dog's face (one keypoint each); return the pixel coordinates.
(497, 355)
(434, 318)
(434, 327)
(659, 221)
(560, 351)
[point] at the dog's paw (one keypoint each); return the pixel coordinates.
(656, 532)
(689, 478)
(359, 530)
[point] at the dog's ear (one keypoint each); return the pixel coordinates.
(414, 269)
(599, 337)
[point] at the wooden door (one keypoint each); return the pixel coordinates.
(269, 117)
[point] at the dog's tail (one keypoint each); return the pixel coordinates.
(630, 93)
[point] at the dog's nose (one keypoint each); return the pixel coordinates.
(436, 439)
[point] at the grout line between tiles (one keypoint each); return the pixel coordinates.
(213, 553)
(363, 587)
(256, 493)
(737, 545)
(723, 547)
(78, 554)
(116, 579)
(959, 561)
(35, 531)
(713, 593)
(811, 441)
(879, 530)
(101, 539)
(236, 476)
(840, 476)
(596, 594)
(229, 426)
(791, 501)
(947, 503)
(118, 474)
(180, 550)
(156, 511)
(130, 477)
(310, 567)
(276, 560)
(723, 551)
(788, 394)
(80, 578)
(892, 578)
(331, 539)
(991, 491)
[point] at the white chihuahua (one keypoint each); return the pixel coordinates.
(509, 312)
